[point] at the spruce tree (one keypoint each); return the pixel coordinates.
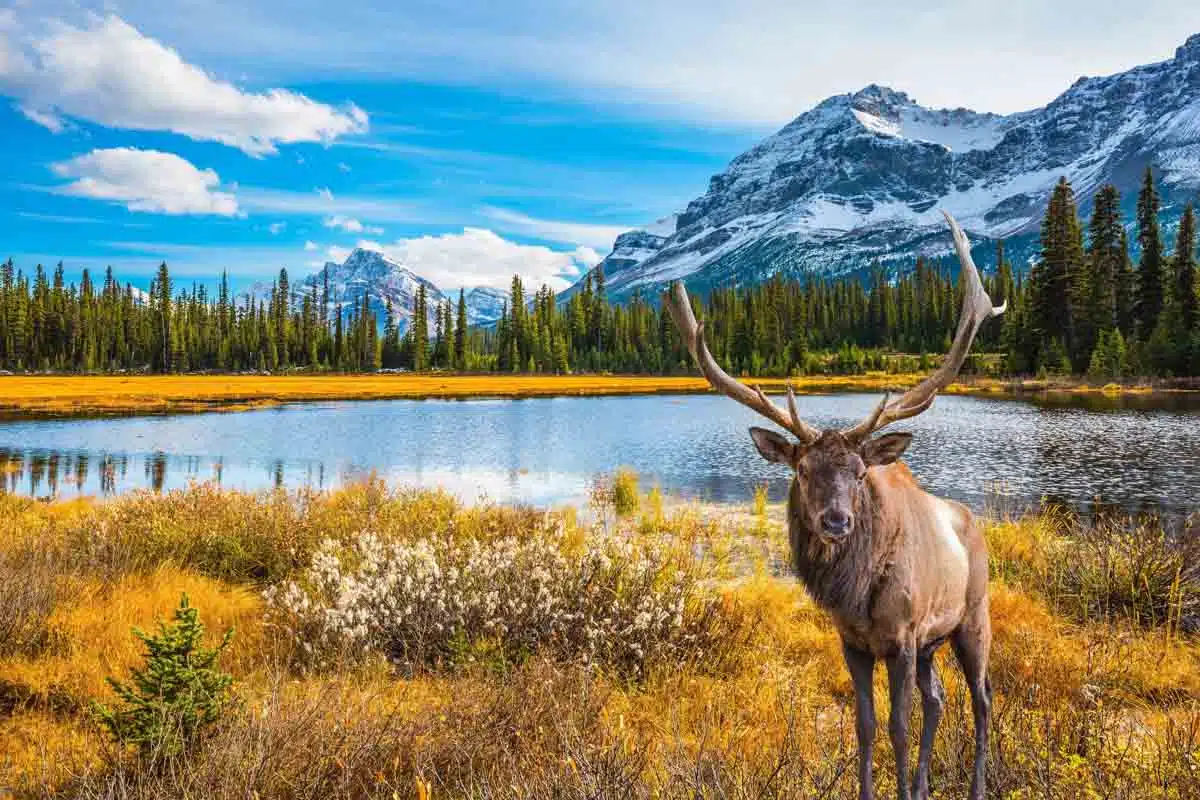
(1058, 282)
(1106, 257)
(460, 333)
(420, 330)
(1183, 296)
(1184, 267)
(1125, 291)
(1150, 294)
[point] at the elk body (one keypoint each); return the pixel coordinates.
(900, 571)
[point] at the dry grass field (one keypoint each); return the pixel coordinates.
(649, 652)
(70, 395)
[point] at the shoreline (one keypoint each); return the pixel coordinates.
(67, 396)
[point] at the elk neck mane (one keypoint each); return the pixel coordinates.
(842, 577)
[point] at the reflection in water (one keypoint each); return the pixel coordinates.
(1003, 455)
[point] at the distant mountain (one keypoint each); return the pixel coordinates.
(485, 304)
(865, 176)
(372, 273)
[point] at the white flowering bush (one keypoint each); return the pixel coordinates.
(608, 601)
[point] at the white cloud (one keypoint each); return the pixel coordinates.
(47, 119)
(343, 166)
(587, 256)
(756, 61)
(310, 246)
(321, 202)
(108, 72)
(478, 257)
(146, 180)
(598, 237)
(277, 228)
(350, 225)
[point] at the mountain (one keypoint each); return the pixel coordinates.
(864, 177)
(381, 279)
(484, 305)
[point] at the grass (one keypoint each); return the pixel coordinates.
(1097, 678)
(71, 395)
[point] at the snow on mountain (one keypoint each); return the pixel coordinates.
(485, 304)
(371, 273)
(865, 176)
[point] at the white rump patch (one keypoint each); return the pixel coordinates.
(945, 527)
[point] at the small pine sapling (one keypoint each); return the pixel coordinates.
(177, 694)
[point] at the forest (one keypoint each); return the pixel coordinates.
(1084, 307)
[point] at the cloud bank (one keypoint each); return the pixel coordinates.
(108, 72)
(146, 180)
(480, 257)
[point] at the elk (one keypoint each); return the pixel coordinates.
(899, 570)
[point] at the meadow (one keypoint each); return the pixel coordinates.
(393, 643)
(99, 395)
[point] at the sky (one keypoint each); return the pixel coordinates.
(469, 140)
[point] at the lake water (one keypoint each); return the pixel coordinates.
(546, 451)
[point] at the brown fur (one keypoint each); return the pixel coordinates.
(909, 574)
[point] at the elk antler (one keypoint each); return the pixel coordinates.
(976, 308)
(693, 335)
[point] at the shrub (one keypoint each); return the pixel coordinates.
(29, 579)
(654, 516)
(625, 492)
(1107, 570)
(761, 499)
(431, 602)
(178, 694)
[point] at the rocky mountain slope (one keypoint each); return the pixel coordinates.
(864, 177)
(382, 279)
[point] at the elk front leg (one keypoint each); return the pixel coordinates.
(901, 668)
(862, 670)
(971, 644)
(933, 698)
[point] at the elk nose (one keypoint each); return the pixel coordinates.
(835, 522)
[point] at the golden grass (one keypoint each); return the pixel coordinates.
(100, 395)
(76, 395)
(1084, 708)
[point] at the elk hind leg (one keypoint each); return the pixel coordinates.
(933, 698)
(971, 643)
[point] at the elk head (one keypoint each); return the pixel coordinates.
(830, 467)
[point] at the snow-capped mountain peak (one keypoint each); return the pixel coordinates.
(864, 176)
(382, 279)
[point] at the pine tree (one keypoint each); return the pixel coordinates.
(420, 331)
(178, 693)
(1184, 265)
(1125, 291)
(460, 333)
(1150, 294)
(1106, 257)
(1058, 281)
(1183, 296)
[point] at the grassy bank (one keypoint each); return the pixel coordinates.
(653, 653)
(39, 395)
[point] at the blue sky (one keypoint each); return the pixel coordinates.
(470, 140)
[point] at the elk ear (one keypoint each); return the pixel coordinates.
(885, 449)
(773, 447)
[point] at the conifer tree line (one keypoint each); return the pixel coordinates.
(1085, 307)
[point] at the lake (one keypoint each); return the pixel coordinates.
(544, 451)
